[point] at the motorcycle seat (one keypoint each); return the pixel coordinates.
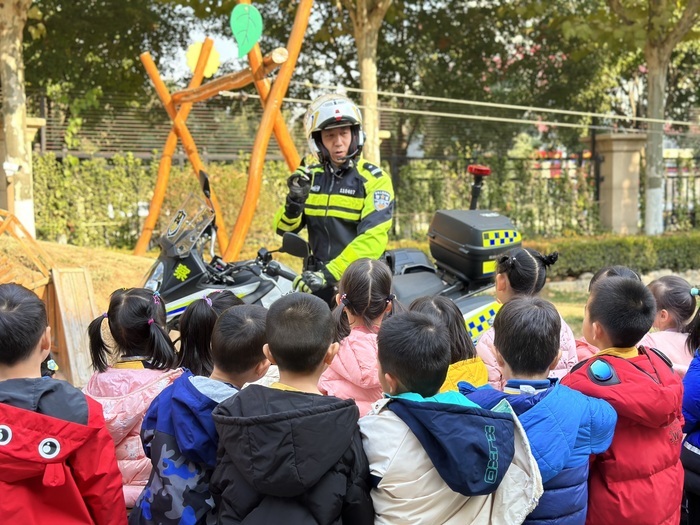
(410, 286)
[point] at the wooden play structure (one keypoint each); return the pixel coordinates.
(67, 293)
(271, 96)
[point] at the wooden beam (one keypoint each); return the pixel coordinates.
(232, 81)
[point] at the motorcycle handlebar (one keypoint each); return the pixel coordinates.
(273, 268)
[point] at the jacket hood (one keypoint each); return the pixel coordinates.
(551, 428)
(450, 433)
(35, 444)
(646, 390)
(126, 394)
(183, 410)
(283, 442)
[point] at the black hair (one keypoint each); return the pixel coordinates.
(365, 291)
(415, 349)
(613, 271)
(624, 307)
(196, 326)
(23, 321)
(526, 269)
(693, 330)
(136, 318)
(672, 293)
(299, 331)
(238, 338)
(448, 312)
(527, 334)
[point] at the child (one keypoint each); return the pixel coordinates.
(690, 453)
(522, 272)
(437, 457)
(142, 356)
(178, 432)
(564, 426)
(196, 326)
(675, 306)
(57, 461)
(465, 365)
(584, 349)
(288, 454)
(640, 478)
(364, 297)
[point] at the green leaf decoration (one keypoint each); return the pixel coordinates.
(247, 26)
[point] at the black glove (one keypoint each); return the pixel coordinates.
(299, 184)
(309, 282)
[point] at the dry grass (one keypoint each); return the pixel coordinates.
(109, 269)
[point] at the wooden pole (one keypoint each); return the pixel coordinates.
(237, 80)
(166, 158)
(187, 141)
(262, 84)
(262, 138)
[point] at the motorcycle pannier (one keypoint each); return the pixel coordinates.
(467, 243)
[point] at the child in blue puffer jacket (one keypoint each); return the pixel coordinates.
(690, 453)
(564, 426)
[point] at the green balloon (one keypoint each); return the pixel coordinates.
(247, 26)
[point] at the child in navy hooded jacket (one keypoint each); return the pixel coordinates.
(564, 426)
(437, 457)
(178, 432)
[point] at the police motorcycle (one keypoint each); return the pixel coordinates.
(182, 276)
(465, 245)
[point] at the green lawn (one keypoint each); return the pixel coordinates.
(570, 306)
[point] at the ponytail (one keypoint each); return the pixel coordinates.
(693, 331)
(98, 349)
(526, 269)
(365, 292)
(196, 328)
(136, 318)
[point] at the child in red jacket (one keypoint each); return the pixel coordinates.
(640, 478)
(57, 463)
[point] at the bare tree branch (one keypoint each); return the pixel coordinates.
(351, 8)
(621, 12)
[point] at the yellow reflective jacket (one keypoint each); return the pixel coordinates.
(348, 214)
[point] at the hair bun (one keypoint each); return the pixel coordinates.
(549, 260)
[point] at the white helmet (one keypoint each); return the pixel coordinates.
(333, 111)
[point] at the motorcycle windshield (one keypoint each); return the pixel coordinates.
(190, 221)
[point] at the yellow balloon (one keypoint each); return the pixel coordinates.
(212, 64)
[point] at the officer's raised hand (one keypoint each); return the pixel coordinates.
(299, 184)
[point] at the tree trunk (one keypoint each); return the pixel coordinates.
(657, 64)
(13, 17)
(366, 39)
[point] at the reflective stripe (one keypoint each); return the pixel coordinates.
(282, 225)
(339, 201)
(330, 212)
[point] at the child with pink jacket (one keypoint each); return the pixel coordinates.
(522, 272)
(364, 297)
(130, 375)
(675, 306)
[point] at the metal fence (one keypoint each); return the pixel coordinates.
(682, 193)
(542, 196)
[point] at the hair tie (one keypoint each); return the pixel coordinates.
(156, 297)
(150, 321)
(104, 315)
(208, 300)
(344, 299)
(694, 291)
(390, 297)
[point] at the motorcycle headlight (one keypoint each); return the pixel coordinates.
(154, 278)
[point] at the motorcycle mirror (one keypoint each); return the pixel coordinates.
(294, 245)
(204, 183)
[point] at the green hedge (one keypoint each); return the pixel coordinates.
(676, 252)
(96, 202)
